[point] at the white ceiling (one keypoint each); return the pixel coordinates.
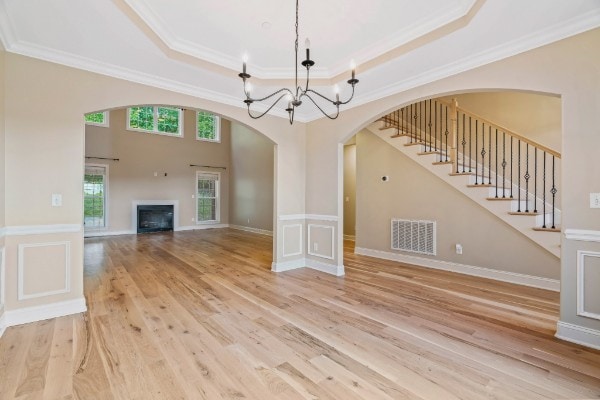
(195, 46)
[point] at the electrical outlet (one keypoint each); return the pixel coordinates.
(193, 219)
(56, 200)
(315, 246)
(193, 197)
(459, 248)
(594, 200)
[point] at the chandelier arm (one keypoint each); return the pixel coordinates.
(271, 95)
(320, 95)
(320, 109)
(268, 109)
(350, 99)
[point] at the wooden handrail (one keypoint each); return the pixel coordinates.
(509, 132)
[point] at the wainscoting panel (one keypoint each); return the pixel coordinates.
(292, 240)
(588, 276)
(44, 269)
(321, 241)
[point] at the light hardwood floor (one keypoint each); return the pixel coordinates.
(198, 315)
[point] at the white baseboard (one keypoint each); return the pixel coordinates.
(200, 227)
(40, 313)
(253, 230)
(107, 233)
(350, 237)
(2, 322)
(504, 276)
(578, 334)
(337, 270)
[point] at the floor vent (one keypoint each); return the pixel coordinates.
(414, 236)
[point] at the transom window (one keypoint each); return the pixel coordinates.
(207, 127)
(94, 196)
(97, 118)
(207, 197)
(155, 119)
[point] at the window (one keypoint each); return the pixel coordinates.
(160, 120)
(207, 127)
(98, 118)
(207, 197)
(94, 196)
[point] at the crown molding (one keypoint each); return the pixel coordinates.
(408, 33)
(554, 33)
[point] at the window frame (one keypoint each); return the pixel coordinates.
(106, 122)
(155, 130)
(217, 219)
(105, 201)
(217, 128)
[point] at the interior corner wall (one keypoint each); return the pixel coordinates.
(413, 193)
(251, 179)
(2, 186)
(142, 155)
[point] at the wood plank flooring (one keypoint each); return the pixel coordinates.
(199, 315)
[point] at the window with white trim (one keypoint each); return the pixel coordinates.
(208, 127)
(97, 118)
(95, 184)
(156, 119)
(207, 197)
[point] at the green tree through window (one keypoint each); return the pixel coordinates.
(207, 127)
(165, 120)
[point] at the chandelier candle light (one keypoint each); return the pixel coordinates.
(294, 99)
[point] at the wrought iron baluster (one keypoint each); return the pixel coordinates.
(446, 134)
(527, 176)
(464, 142)
(490, 155)
(496, 162)
(503, 165)
(415, 129)
(421, 121)
(535, 179)
(544, 193)
(511, 167)
(553, 191)
(483, 152)
(519, 175)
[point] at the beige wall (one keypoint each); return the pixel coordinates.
(568, 68)
(51, 140)
(415, 194)
(535, 116)
(142, 154)
(251, 184)
(350, 189)
(2, 186)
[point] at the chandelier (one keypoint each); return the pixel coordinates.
(294, 98)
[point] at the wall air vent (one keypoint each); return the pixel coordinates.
(414, 236)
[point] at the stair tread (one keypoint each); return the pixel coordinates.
(556, 229)
(524, 213)
(461, 173)
(500, 199)
(442, 162)
(415, 144)
(487, 185)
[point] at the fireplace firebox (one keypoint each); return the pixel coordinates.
(154, 218)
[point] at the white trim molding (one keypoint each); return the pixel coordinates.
(309, 244)
(107, 233)
(299, 252)
(253, 230)
(581, 255)
(332, 269)
(582, 235)
(200, 227)
(43, 312)
(21, 270)
(41, 229)
(316, 217)
(504, 276)
(578, 334)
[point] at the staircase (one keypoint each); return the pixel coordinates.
(504, 172)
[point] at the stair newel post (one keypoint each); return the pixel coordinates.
(483, 153)
(490, 155)
(527, 176)
(446, 133)
(454, 133)
(429, 126)
(435, 126)
(470, 145)
(464, 142)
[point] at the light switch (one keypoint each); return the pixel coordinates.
(594, 200)
(56, 200)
